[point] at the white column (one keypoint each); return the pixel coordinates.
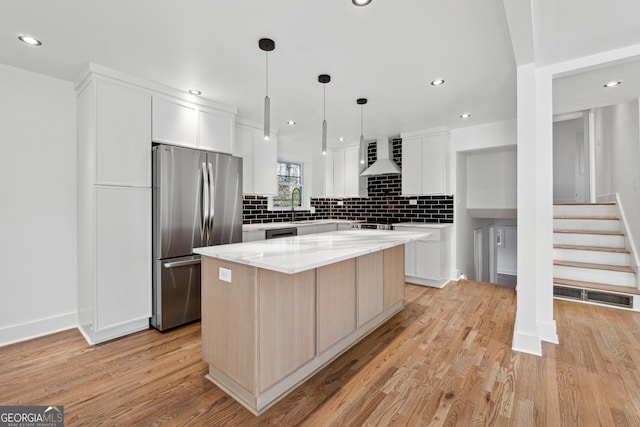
(525, 334)
(544, 207)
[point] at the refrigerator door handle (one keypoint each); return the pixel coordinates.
(181, 263)
(212, 198)
(204, 205)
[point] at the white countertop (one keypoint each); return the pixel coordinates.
(272, 225)
(422, 225)
(295, 254)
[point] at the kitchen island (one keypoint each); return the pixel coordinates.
(275, 312)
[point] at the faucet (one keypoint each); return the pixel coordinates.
(293, 192)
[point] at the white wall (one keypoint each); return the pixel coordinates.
(618, 159)
(564, 154)
(38, 254)
(491, 179)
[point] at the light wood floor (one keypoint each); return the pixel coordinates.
(446, 359)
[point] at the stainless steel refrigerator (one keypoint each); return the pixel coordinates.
(197, 201)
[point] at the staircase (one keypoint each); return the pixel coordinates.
(590, 261)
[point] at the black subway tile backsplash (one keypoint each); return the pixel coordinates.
(384, 203)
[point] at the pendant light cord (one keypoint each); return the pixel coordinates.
(361, 120)
(266, 57)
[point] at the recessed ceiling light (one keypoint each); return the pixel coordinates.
(30, 40)
(195, 92)
(342, 139)
(291, 122)
(437, 82)
(613, 83)
(361, 2)
(465, 116)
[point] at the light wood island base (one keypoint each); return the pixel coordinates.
(265, 332)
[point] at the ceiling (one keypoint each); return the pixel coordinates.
(585, 89)
(388, 52)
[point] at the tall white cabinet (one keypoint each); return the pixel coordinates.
(425, 163)
(118, 118)
(114, 208)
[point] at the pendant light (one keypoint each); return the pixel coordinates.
(363, 148)
(267, 45)
(324, 79)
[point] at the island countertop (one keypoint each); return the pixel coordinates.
(300, 253)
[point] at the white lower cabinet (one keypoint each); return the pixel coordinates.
(115, 287)
(253, 235)
(427, 261)
(324, 228)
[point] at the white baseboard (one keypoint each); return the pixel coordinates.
(547, 332)
(526, 343)
(509, 272)
(426, 282)
(37, 328)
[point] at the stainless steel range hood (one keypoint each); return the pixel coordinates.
(383, 164)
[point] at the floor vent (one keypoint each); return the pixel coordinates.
(572, 293)
(600, 297)
(610, 299)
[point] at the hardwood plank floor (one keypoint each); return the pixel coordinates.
(445, 359)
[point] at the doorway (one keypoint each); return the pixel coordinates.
(506, 255)
(477, 253)
(571, 159)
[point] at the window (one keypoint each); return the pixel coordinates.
(289, 178)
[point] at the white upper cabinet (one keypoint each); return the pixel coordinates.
(174, 122)
(425, 163)
(122, 135)
(179, 123)
(354, 184)
(339, 173)
(216, 131)
(343, 173)
(259, 160)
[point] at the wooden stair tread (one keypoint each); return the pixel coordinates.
(592, 248)
(587, 217)
(596, 286)
(620, 268)
(584, 204)
(605, 233)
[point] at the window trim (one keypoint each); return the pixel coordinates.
(305, 199)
